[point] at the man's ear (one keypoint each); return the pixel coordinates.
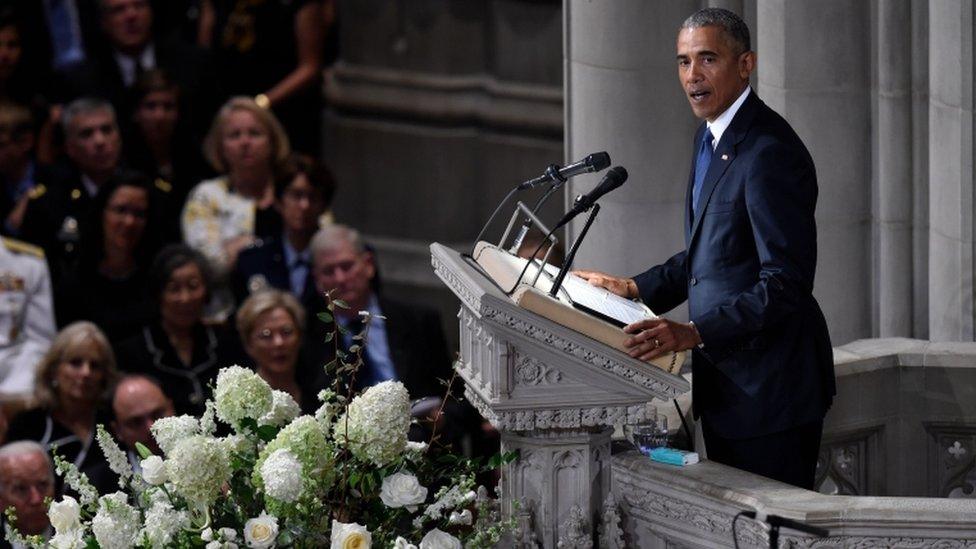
(747, 64)
(369, 259)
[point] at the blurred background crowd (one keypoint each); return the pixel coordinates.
(164, 213)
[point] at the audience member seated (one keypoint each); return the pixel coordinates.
(56, 209)
(405, 342)
(271, 323)
(160, 144)
(71, 388)
(273, 51)
(19, 172)
(107, 285)
(222, 216)
(127, 26)
(177, 348)
(303, 193)
(26, 316)
(22, 78)
(26, 483)
(137, 402)
(63, 32)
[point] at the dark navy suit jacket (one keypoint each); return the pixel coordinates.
(266, 260)
(747, 273)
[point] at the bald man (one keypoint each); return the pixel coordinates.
(138, 401)
(26, 479)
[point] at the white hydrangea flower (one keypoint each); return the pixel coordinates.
(65, 514)
(416, 448)
(350, 536)
(207, 424)
(116, 524)
(283, 409)
(168, 431)
(241, 394)
(282, 475)
(260, 532)
(402, 490)
(197, 467)
(68, 539)
(378, 421)
(163, 523)
(401, 543)
(154, 470)
(118, 462)
(437, 539)
(236, 444)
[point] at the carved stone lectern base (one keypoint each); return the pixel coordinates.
(562, 478)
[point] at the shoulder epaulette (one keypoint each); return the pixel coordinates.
(163, 185)
(21, 247)
(37, 192)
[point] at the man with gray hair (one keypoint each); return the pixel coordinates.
(761, 354)
(56, 210)
(26, 480)
(405, 342)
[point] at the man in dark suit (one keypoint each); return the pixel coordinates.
(131, 49)
(762, 359)
(303, 193)
(26, 480)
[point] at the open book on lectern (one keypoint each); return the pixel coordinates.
(591, 311)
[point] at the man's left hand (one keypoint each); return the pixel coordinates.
(656, 337)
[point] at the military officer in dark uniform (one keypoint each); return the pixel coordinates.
(56, 212)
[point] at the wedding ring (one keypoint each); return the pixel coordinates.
(657, 343)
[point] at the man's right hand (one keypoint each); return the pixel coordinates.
(624, 287)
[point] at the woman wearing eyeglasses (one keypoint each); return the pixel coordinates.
(271, 324)
(107, 284)
(71, 389)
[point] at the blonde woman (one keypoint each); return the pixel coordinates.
(72, 385)
(222, 216)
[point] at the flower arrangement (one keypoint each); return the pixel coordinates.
(346, 477)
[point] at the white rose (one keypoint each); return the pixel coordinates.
(207, 534)
(463, 517)
(350, 536)
(401, 543)
(153, 470)
(260, 532)
(229, 534)
(402, 490)
(65, 515)
(436, 539)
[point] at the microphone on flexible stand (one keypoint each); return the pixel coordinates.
(613, 179)
(557, 176)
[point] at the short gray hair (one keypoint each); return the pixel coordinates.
(83, 106)
(732, 25)
(332, 236)
(24, 447)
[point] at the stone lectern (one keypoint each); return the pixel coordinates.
(555, 395)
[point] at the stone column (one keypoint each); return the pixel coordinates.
(892, 136)
(623, 96)
(814, 69)
(951, 170)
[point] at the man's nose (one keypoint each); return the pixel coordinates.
(36, 495)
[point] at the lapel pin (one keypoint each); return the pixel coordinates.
(725, 157)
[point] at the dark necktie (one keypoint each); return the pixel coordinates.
(705, 152)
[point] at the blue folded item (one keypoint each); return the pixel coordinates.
(674, 456)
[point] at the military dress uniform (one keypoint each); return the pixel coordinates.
(26, 315)
(53, 221)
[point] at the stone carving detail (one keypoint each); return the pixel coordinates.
(525, 537)
(643, 502)
(611, 534)
(563, 418)
(957, 460)
(574, 531)
(660, 389)
(466, 294)
(841, 469)
(529, 371)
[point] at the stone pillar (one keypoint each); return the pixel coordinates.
(920, 166)
(622, 96)
(814, 69)
(555, 472)
(892, 135)
(951, 170)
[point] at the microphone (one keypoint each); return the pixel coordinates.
(592, 163)
(778, 521)
(613, 179)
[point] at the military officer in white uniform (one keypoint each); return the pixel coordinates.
(26, 315)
